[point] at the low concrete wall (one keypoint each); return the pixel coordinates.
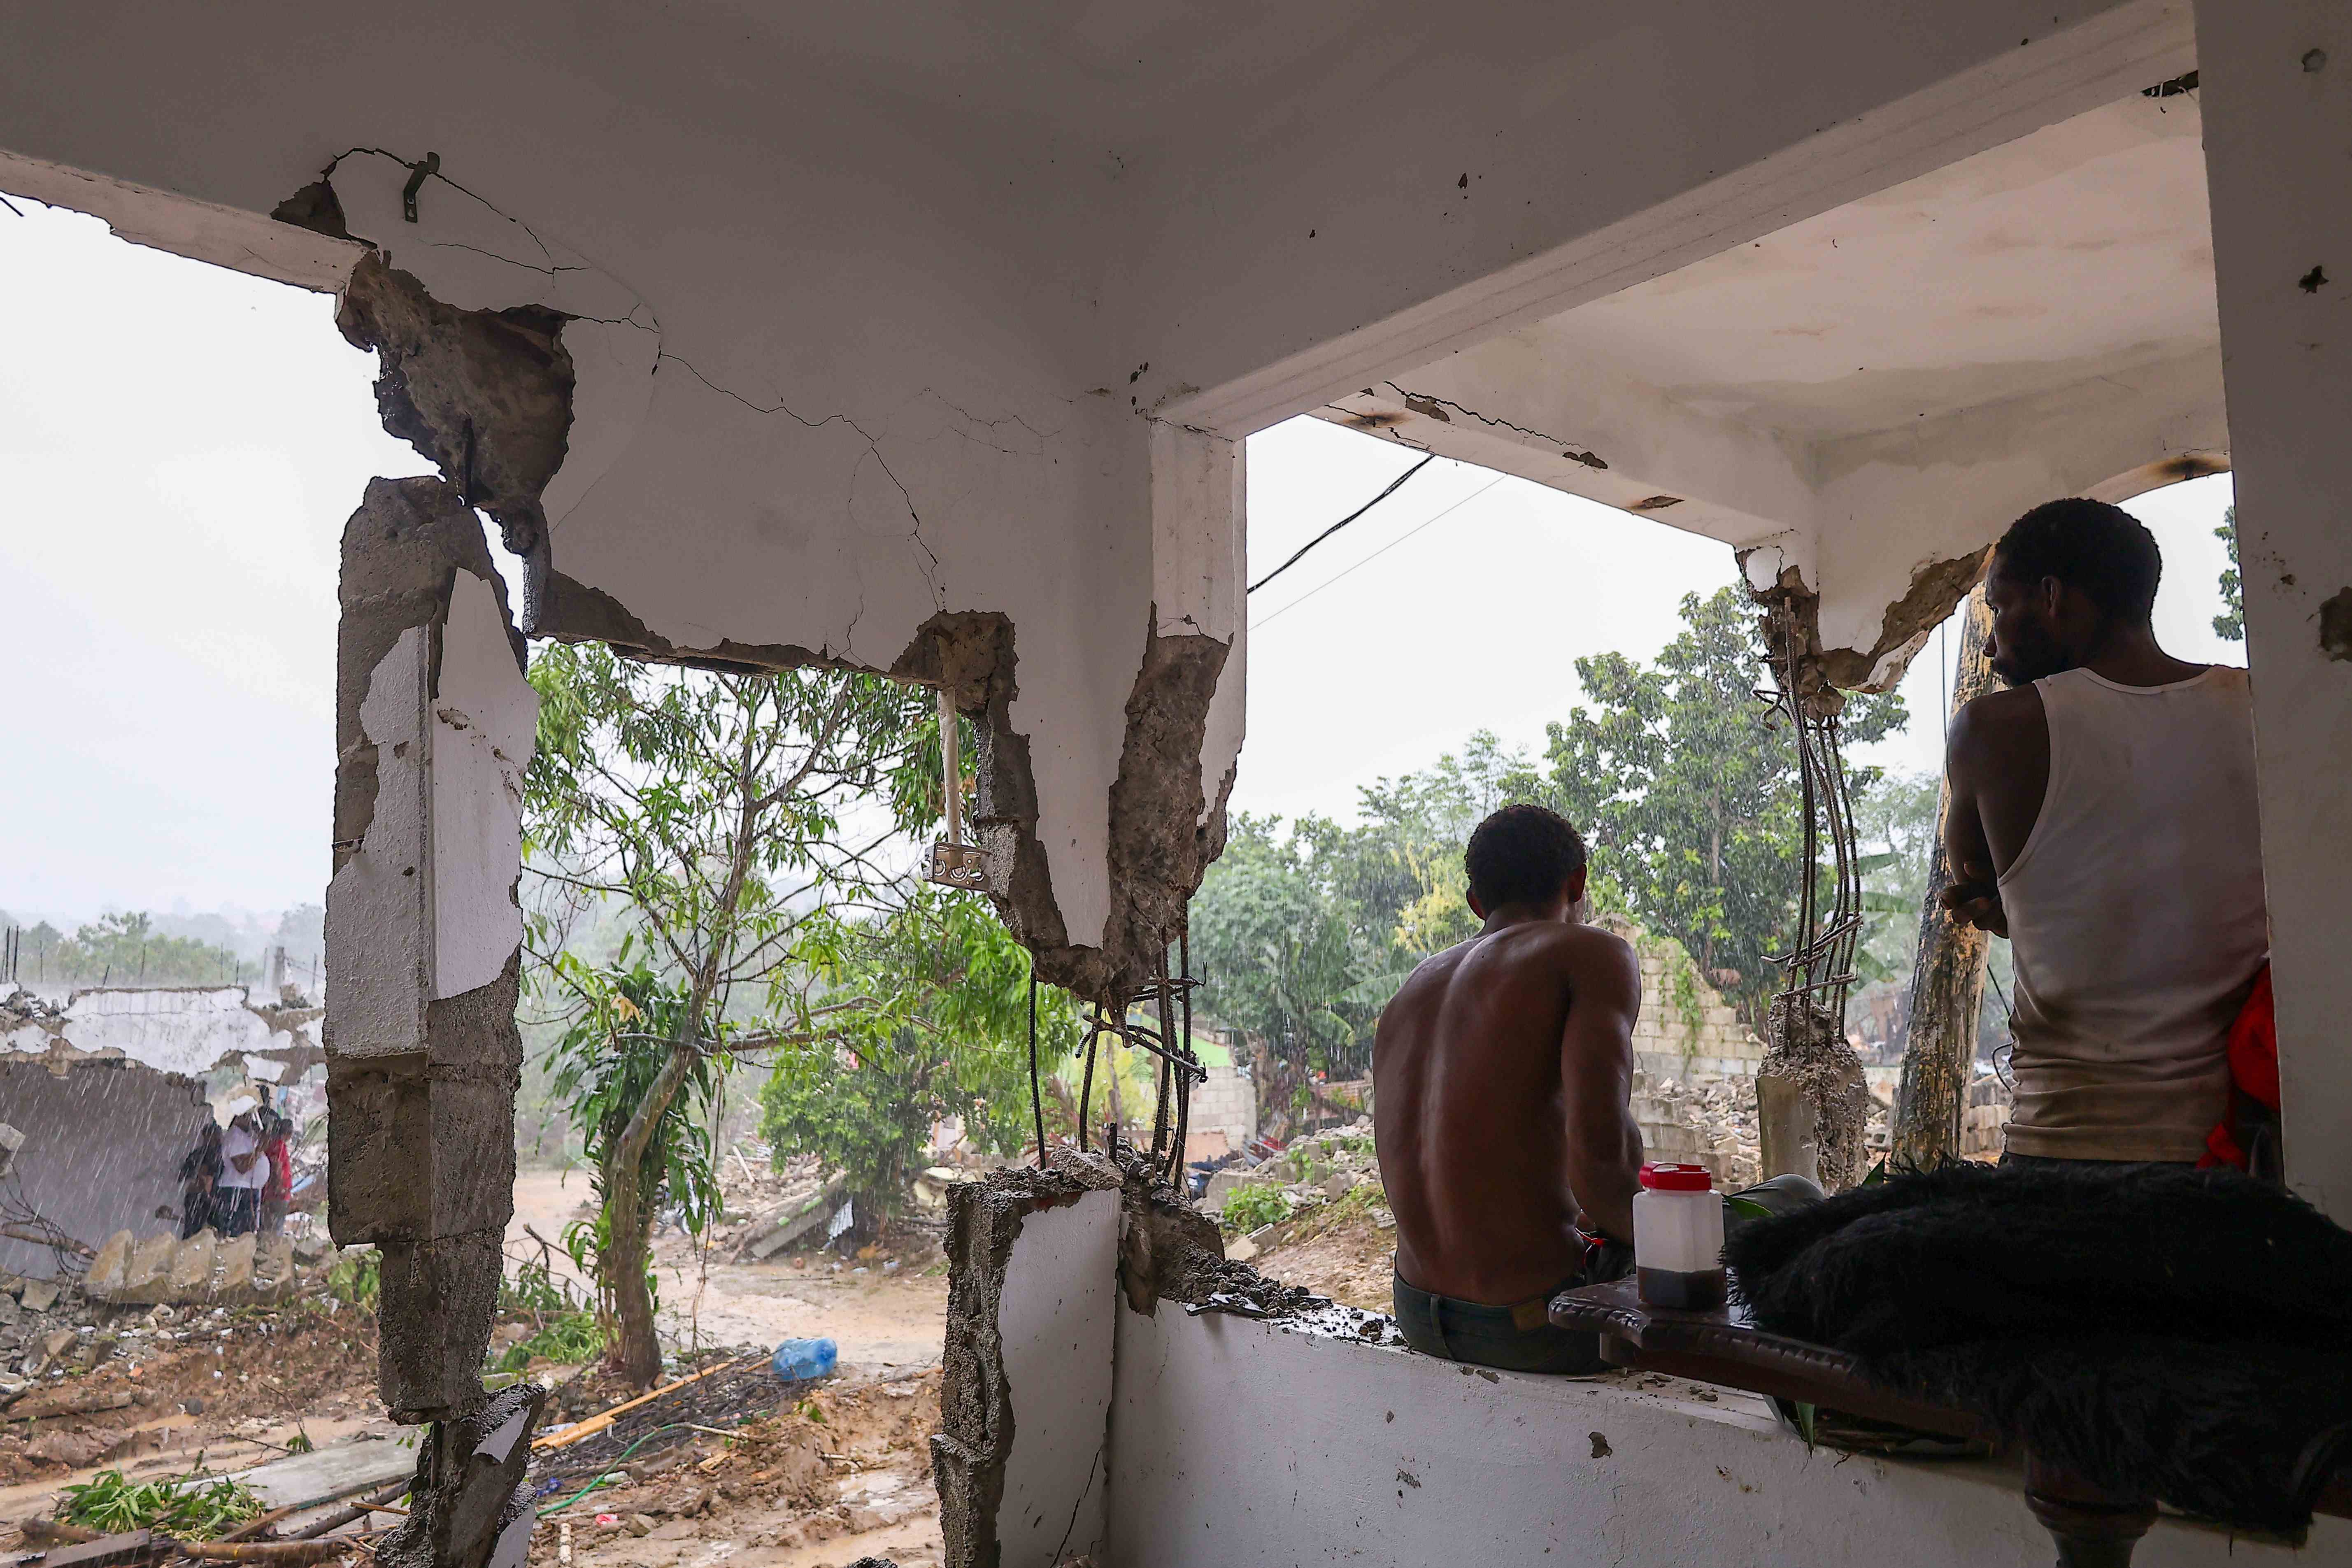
(102, 1149)
(1237, 1441)
(1310, 1436)
(1055, 1315)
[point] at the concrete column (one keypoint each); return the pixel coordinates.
(2277, 91)
(435, 726)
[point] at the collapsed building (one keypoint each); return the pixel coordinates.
(109, 1090)
(926, 343)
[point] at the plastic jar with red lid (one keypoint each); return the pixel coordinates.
(1678, 1237)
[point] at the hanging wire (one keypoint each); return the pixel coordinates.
(1087, 1084)
(1394, 485)
(1037, 1090)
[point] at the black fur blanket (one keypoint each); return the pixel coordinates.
(2176, 1333)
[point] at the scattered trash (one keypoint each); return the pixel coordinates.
(797, 1361)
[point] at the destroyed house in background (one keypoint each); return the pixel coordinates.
(924, 342)
(112, 1090)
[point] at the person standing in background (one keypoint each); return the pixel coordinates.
(200, 1174)
(237, 1206)
(280, 1188)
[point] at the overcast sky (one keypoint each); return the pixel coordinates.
(180, 446)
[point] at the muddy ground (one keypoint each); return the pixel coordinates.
(822, 1476)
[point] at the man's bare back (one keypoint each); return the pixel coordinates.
(1502, 1075)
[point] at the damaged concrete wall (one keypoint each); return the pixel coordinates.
(178, 1030)
(103, 1142)
(435, 724)
(1250, 1423)
(866, 329)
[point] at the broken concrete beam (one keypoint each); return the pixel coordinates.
(448, 1289)
(804, 1217)
(467, 1498)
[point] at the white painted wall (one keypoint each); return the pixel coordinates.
(2278, 149)
(1055, 1317)
(1236, 1441)
(484, 726)
(172, 1031)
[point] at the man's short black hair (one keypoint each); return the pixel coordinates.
(2088, 544)
(1522, 855)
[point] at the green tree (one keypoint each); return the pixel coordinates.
(126, 950)
(918, 1014)
(622, 1038)
(2230, 625)
(1279, 957)
(1688, 796)
(717, 806)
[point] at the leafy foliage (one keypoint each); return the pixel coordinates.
(718, 808)
(1252, 1205)
(356, 1276)
(919, 1015)
(186, 1508)
(127, 950)
(1280, 948)
(1689, 797)
(2230, 625)
(567, 1339)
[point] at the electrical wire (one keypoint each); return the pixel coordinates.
(1394, 485)
(1376, 554)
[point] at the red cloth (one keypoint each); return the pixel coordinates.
(281, 1169)
(2253, 1070)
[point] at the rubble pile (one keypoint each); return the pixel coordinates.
(89, 1383)
(21, 1007)
(1312, 1168)
(1703, 1122)
(805, 1465)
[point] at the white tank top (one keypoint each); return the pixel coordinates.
(2135, 917)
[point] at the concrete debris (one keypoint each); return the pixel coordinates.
(800, 1213)
(241, 1272)
(1701, 1121)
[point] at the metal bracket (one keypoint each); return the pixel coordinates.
(959, 866)
(954, 863)
(416, 175)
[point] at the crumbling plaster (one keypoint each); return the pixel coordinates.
(866, 328)
(186, 1030)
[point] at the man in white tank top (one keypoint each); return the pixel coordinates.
(2103, 818)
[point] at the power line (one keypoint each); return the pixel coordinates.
(1394, 485)
(1376, 554)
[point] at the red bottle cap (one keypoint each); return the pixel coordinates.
(1678, 1178)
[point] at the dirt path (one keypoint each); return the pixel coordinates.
(882, 1318)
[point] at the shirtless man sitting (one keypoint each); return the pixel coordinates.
(1502, 1075)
